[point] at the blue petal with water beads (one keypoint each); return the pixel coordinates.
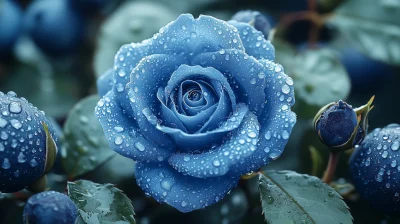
(254, 41)
(183, 192)
(123, 134)
(245, 74)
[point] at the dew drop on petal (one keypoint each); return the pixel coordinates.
(216, 163)
(140, 146)
(15, 107)
(285, 89)
(3, 122)
(285, 134)
(395, 146)
(252, 134)
(118, 140)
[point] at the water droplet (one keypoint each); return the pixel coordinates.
(393, 163)
(289, 81)
(118, 140)
(253, 81)
(118, 129)
(242, 141)
(261, 75)
(186, 158)
(15, 107)
(140, 146)
(6, 164)
(166, 185)
(278, 69)
(384, 154)
(21, 157)
(3, 122)
(222, 51)
(252, 134)
(285, 134)
(285, 89)
(184, 204)
(120, 87)
(216, 163)
(4, 135)
(331, 194)
(1, 147)
(268, 135)
(395, 146)
(33, 162)
(121, 73)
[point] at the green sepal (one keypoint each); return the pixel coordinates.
(51, 150)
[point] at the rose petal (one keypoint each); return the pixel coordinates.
(254, 41)
(186, 72)
(184, 193)
(105, 82)
(277, 120)
(123, 135)
(220, 160)
(151, 73)
(201, 141)
(191, 123)
(244, 73)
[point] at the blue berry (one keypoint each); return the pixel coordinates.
(88, 6)
(365, 73)
(375, 168)
(10, 26)
(27, 143)
(336, 124)
(54, 26)
(260, 21)
(50, 207)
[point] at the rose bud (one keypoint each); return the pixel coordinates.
(340, 127)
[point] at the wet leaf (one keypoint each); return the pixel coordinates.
(319, 77)
(289, 197)
(100, 203)
(373, 26)
(85, 145)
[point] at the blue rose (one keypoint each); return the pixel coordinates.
(198, 105)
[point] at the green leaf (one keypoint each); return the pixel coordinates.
(85, 146)
(100, 203)
(372, 26)
(289, 197)
(319, 77)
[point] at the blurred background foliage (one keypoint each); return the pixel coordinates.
(52, 51)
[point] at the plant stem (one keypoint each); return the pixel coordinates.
(331, 168)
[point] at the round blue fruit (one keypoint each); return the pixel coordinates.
(88, 6)
(10, 26)
(375, 168)
(366, 74)
(50, 207)
(25, 139)
(55, 27)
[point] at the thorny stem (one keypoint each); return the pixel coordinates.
(331, 168)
